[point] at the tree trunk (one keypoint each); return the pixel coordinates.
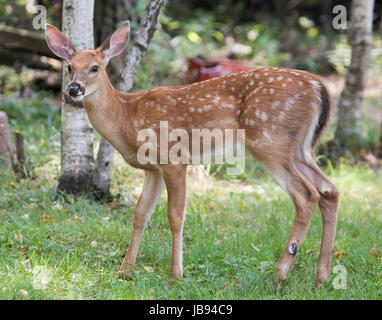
(379, 151)
(77, 161)
(348, 132)
(135, 53)
(5, 137)
(103, 170)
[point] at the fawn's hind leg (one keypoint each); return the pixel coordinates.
(305, 199)
(329, 197)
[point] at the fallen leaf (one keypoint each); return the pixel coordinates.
(23, 292)
(18, 238)
(213, 205)
(244, 207)
(339, 254)
(218, 242)
(148, 269)
(46, 217)
(254, 247)
(376, 252)
(76, 218)
(93, 243)
(263, 266)
(24, 249)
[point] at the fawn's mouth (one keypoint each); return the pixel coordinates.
(81, 95)
(78, 97)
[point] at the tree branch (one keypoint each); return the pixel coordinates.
(136, 51)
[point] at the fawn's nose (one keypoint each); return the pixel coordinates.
(75, 89)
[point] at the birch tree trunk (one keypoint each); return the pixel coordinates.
(348, 132)
(77, 161)
(135, 53)
(5, 137)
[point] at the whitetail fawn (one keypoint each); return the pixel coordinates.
(282, 111)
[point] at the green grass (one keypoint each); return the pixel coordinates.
(81, 243)
(233, 236)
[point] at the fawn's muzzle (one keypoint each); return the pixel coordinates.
(75, 90)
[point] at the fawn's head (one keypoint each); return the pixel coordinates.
(86, 67)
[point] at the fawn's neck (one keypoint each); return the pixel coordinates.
(109, 111)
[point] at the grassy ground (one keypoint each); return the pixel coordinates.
(52, 248)
(56, 248)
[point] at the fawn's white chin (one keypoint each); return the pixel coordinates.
(80, 97)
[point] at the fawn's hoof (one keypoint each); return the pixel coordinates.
(321, 278)
(282, 273)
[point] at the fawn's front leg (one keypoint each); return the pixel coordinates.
(151, 191)
(175, 179)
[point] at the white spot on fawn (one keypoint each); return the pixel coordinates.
(266, 134)
(216, 100)
(264, 117)
(275, 104)
(288, 104)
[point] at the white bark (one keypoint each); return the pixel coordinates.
(350, 105)
(77, 161)
(135, 53)
(5, 137)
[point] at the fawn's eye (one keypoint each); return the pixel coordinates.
(69, 68)
(94, 69)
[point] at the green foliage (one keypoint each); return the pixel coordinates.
(11, 81)
(20, 110)
(340, 56)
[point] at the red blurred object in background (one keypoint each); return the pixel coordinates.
(200, 69)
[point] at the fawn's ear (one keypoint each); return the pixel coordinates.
(58, 43)
(117, 42)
